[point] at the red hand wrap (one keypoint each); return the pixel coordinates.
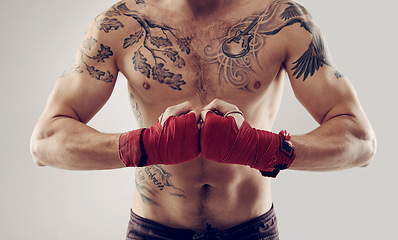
(176, 142)
(222, 141)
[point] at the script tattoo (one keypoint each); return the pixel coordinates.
(238, 51)
(136, 111)
(155, 176)
(145, 192)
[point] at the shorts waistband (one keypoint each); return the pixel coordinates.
(157, 226)
(267, 220)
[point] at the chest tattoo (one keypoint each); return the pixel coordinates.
(159, 42)
(237, 54)
(159, 46)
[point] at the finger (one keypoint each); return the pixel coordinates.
(176, 110)
(179, 109)
(203, 114)
(199, 120)
(238, 116)
(220, 106)
(197, 114)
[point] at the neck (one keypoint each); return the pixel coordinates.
(206, 5)
(200, 8)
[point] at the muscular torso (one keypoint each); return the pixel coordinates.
(170, 57)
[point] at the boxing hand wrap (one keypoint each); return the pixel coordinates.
(222, 141)
(176, 142)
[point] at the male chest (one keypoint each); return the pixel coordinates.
(193, 59)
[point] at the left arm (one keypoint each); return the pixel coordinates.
(345, 137)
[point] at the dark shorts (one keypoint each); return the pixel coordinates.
(261, 228)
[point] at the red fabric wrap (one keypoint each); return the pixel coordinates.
(222, 141)
(129, 147)
(176, 142)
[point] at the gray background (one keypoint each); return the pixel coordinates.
(38, 40)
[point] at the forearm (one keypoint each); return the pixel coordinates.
(69, 144)
(340, 143)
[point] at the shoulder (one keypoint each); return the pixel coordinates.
(293, 23)
(290, 8)
(288, 12)
(115, 22)
(282, 16)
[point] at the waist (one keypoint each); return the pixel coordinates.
(256, 228)
(191, 194)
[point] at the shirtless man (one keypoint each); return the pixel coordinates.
(187, 59)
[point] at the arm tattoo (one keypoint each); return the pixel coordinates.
(104, 53)
(316, 55)
(92, 71)
(89, 43)
(72, 68)
(108, 24)
(155, 176)
(238, 51)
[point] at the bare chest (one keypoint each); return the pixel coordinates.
(166, 62)
(192, 63)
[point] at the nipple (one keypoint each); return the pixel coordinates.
(146, 85)
(257, 85)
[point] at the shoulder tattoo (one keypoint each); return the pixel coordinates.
(238, 50)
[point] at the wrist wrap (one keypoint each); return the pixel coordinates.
(176, 142)
(222, 141)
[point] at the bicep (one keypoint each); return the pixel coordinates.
(316, 82)
(78, 96)
(87, 83)
(325, 97)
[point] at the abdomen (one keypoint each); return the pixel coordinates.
(192, 194)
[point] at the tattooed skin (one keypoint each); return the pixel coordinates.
(238, 52)
(72, 68)
(142, 3)
(136, 111)
(148, 177)
(158, 47)
(104, 53)
(235, 56)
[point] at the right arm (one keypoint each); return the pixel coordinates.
(61, 137)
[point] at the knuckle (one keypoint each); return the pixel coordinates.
(168, 110)
(217, 101)
(187, 103)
